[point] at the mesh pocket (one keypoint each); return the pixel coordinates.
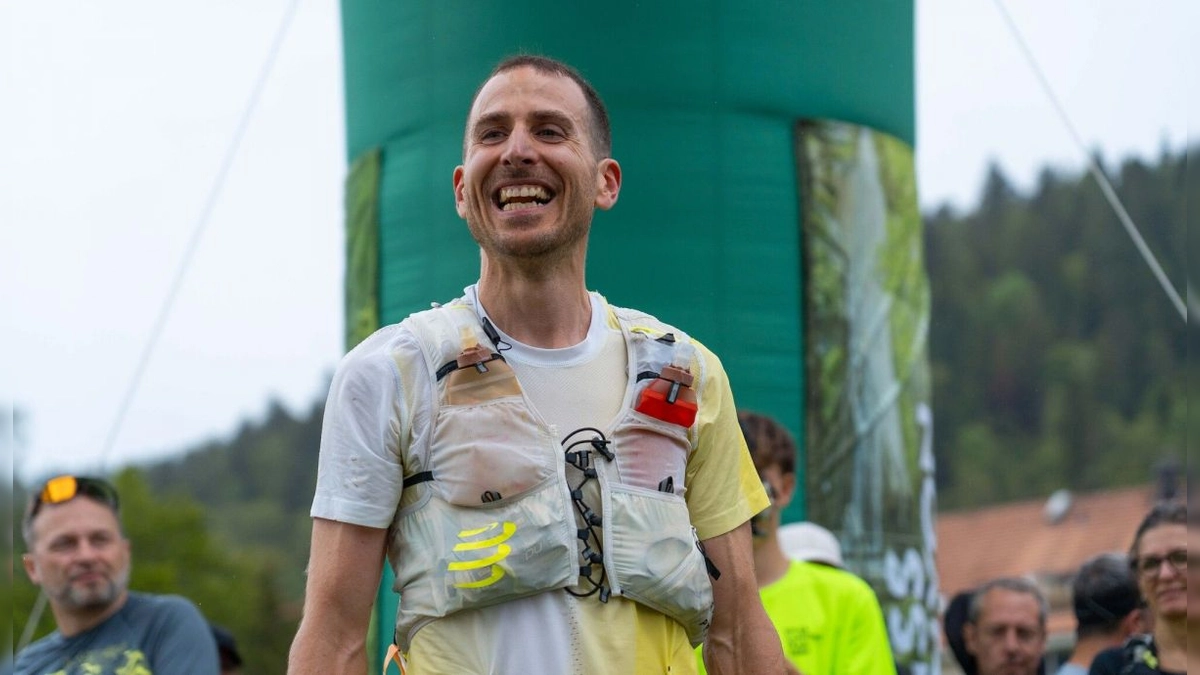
(656, 560)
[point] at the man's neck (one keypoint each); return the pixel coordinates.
(1087, 648)
(549, 312)
(72, 622)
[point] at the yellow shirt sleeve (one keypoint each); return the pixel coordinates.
(723, 488)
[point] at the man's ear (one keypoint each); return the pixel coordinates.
(459, 200)
(787, 490)
(969, 636)
(1132, 623)
(608, 183)
(30, 568)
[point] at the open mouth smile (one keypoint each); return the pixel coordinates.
(522, 197)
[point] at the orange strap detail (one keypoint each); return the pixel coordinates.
(393, 654)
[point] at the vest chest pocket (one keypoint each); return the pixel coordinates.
(651, 454)
(488, 453)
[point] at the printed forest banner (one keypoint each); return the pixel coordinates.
(868, 420)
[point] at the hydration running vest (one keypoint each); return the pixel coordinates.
(487, 514)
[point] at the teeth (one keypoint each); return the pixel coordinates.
(523, 191)
(521, 206)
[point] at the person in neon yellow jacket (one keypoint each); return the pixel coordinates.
(828, 619)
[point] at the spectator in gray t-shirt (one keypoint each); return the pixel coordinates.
(80, 557)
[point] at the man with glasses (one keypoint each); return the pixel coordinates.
(78, 554)
(1006, 627)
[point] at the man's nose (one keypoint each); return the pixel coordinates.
(519, 148)
(86, 551)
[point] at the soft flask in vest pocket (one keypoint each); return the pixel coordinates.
(670, 397)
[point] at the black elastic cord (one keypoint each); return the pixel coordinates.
(451, 366)
(581, 459)
(494, 335)
(418, 478)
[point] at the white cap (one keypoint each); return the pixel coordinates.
(810, 542)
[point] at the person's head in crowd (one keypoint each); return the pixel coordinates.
(953, 620)
(1159, 557)
(774, 453)
(77, 551)
(1107, 605)
(811, 543)
(1005, 629)
(227, 650)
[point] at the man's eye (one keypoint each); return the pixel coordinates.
(550, 133)
(491, 136)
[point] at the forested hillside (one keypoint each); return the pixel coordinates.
(1058, 360)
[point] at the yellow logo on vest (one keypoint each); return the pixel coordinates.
(506, 530)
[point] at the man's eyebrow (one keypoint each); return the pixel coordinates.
(555, 116)
(489, 119)
(539, 116)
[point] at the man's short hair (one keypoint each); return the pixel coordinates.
(1105, 592)
(770, 443)
(1015, 584)
(601, 128)
(96, 489)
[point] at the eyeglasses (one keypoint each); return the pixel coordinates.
(1150, 566)
(65, 488)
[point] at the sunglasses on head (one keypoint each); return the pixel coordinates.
(65, 488)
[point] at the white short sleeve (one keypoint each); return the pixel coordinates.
(360, 472)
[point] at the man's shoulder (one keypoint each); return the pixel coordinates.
(835, 580)
(157, 606)
(637, 319)
(1109, 661)
(1071, 669)
(32, 656)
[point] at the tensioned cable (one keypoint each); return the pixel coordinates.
(184, 265)
(199, 228)
(1109, 193)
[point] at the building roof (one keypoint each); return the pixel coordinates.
(1017, 539)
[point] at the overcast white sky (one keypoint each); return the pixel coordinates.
(116, 117)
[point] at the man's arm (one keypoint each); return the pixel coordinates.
(343, 574)
(741, 638)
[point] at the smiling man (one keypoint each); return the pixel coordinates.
(559, 485)
(80, 557)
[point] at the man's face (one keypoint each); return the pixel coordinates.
(1164, 587)
(779, 487)
(78, 556)
(530, 178)
(1008, 639)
